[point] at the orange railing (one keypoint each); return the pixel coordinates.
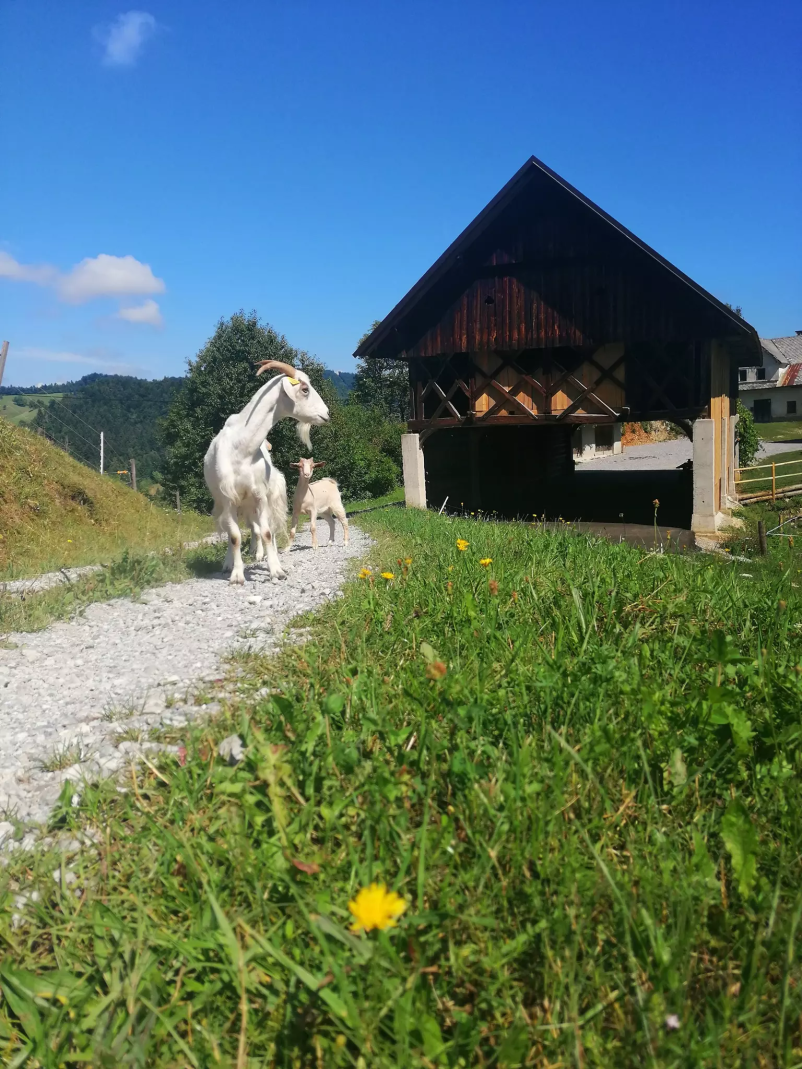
(772, 485)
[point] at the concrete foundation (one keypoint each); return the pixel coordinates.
(706, 519)
(414, 471)
(585, 446)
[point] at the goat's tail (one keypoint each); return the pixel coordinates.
(277, 505)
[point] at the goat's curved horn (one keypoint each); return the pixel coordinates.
(276, 365)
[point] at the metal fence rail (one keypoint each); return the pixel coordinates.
(774, 484)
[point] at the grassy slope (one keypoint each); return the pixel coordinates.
(780, 432)
(16, 414)
(55, 512)
(592, 808)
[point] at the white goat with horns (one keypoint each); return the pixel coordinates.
(318, 499)
(239, 472)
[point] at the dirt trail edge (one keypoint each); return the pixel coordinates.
(68, 693)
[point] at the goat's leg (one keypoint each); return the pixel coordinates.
(257, 545)
(271, 552)
(313, 526)
(217, 513)
(344, 522)
(229, 522)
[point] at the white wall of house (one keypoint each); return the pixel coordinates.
(785, 401)
(770, 372)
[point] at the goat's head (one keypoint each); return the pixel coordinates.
(308, 408)
(306, 466)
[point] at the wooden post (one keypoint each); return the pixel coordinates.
(102, 452)
(773, 483)
(178, 501)
(132, 466)
(3, 355)
(761, 538)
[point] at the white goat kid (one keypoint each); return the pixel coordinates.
(238, 471)
(318, 499)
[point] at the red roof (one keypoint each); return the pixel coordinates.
(793, 375)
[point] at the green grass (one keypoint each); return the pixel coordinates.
(780, 432)
(127, 576)
(58, 513)
(19, 415)
(376, 502)
(585, 782)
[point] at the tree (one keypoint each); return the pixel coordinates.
(382, 383)
(361, 450)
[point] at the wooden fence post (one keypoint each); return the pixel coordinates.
(178, 501)
(132, 466)
(761, 538)
(3, 355)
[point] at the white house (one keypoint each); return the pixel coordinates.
(774, 391)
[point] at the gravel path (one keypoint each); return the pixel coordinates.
(125, 666)
(661, 455)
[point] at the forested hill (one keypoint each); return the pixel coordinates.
(126, 409)
(342, 381)
(61, 387)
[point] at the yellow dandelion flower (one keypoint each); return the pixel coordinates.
(376, 907)
(462, 545)
(387, 575)
(69, 540)
(365, 573)
(486, 561)
(407, 561)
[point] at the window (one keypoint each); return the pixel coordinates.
(742, 375)
(760, 374)
(790, 408)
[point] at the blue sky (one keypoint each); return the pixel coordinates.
(167, 165)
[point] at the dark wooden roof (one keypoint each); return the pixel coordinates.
(573, 276)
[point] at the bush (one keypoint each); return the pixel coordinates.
(748, 438)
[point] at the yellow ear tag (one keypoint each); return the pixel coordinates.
(293, 382)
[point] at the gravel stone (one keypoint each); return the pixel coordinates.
(57, 686)
(232, 749)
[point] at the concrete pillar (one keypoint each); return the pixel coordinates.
(704, 477)
(617, 447)
(414, 471)
(586, 446)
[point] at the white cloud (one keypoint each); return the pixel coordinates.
(30, 354)
(107, 276)
(124, 38)
(93, 278)
(40, 275)
(147, 312)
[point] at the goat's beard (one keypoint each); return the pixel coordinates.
(303, 431)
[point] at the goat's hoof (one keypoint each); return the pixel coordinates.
(237, 580)
(279, 573)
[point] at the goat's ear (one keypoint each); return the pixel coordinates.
(319, 464)
(290, 387)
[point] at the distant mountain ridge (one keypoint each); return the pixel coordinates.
(127, 409)
(343, 382)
